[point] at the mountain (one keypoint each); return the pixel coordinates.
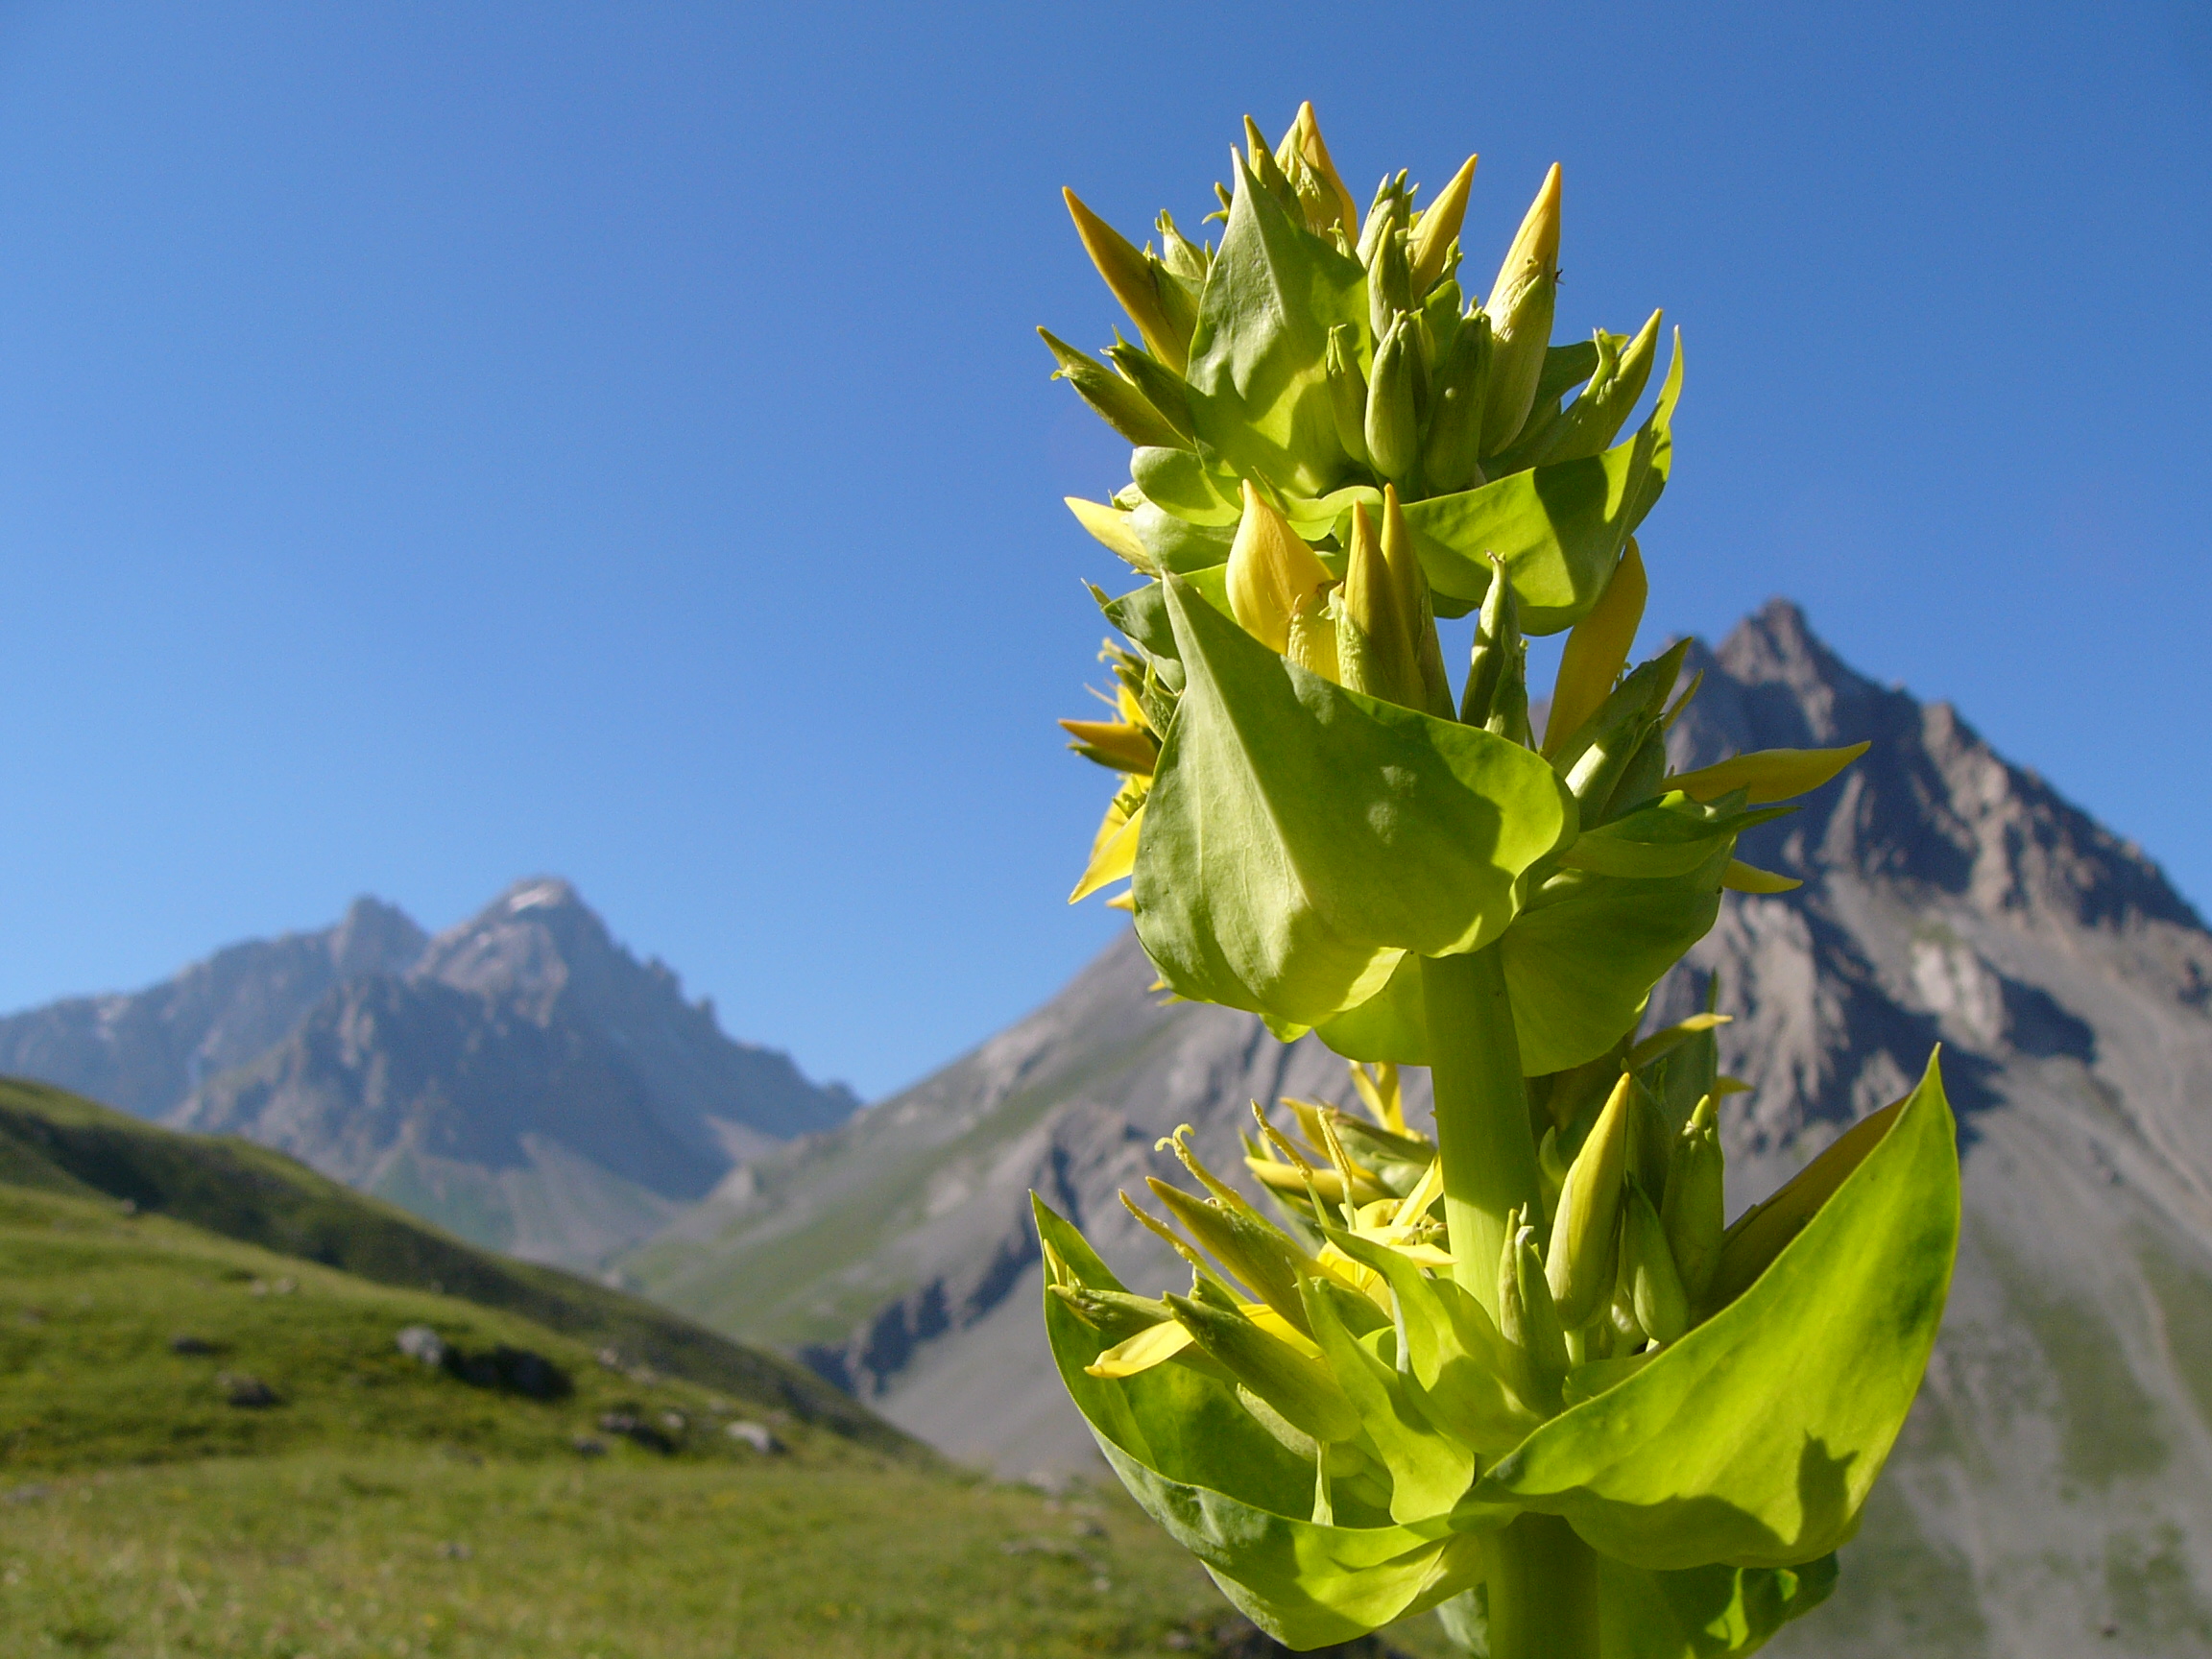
(521, 1078)
(144, 1051)
(2053, 1491)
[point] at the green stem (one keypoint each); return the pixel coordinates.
(1543, 1588)
(1483, 1136)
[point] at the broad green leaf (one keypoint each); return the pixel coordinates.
(1141, 613)
(1755, 1438)
(1299, 837)
(1227, 1492)
(1559, 528)
(1392, 1024)
(1179, 481)
(1582, 956)
(1258, 387)
(1703, 1612)
(1580, 959)
(1672, 836)
(1177, 545)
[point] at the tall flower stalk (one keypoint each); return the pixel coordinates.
(1525, 1372)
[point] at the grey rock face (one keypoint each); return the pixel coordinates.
(521, 1078)
(144, 1051)
(2053, 1492)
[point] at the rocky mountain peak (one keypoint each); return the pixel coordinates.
(374, 937)
(1931, 804)
(528, 946)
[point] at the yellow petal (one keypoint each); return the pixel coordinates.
(1425, 1254)
(1596, 651)
(1113, 853)
(1114, 743)
(1280, 1329)
(1273, 576)
(1432, 236)
(1141, 1352)
(1379, 1094)
(1426, 1191)
(1111, 525)
(1770, 773)
(1129, 274)
(1667, 1036)
(1742, 878)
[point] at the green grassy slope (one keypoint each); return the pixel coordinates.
(345, 1556)
(58, 1143)
(382, 1507)
(92, 1301)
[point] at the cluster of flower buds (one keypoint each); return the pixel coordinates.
(1520, 1367)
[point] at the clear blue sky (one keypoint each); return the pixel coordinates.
(441, 444)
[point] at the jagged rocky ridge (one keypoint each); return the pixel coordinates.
(2054, 1489)
(521, 1078)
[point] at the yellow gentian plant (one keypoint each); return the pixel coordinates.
(1523, 1372)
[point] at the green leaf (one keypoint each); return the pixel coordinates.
(1559, 528)
(1672, 836)
(1703, 1612)
(1429, 1472)
(1392, 1024)
(1455, 1354)
(1259, 381)
(1565, 368)
(1581, 960)
(1583, 954)
(1182, 483)
(1298, 837)
(1141, 613)
(1177, 543)
(1227, 1491)
(1755, 1439)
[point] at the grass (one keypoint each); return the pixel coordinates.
(58, 1143)
(383, 1507)
(91, 1299)
(406, 1552)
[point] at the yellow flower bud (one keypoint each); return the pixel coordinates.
(1439, 224)
(1694, 1211)
(1347, 392)
(1648, 1266)
(1303, 159)
(1586, 1228)
(1520, 306)
(1386, 634)
(1273, 576)
(1258, 1255)
(1393, 427)
(1596, 651)
(1130, 273)
(1527, 1317)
